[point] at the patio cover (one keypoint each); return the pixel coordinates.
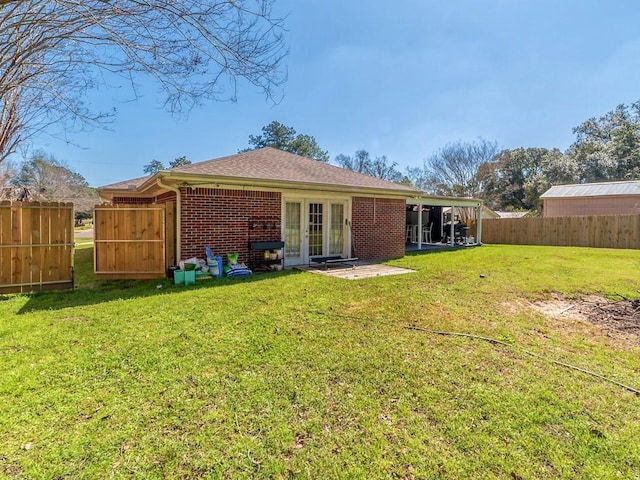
(452, 202)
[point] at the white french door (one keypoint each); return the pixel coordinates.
(314, 228)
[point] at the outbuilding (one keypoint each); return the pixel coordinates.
(605, 198)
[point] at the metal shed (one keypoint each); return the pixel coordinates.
(606, 198)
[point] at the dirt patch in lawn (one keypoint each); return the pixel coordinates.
(621, 316)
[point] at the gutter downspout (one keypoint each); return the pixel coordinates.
(479, 226)
(178, 216)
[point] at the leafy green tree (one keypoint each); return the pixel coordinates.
(274, 135)
(154, 166)
(516, 178)
(608, 147)
(285, 138)
(179, 162)
(306, 146)
(555, 169)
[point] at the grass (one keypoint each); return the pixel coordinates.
(292, 374)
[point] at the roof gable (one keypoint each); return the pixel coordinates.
(277, 165)
(271, 165)
(131, 184)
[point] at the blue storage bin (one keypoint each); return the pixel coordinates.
(219, 262)
(214, 263)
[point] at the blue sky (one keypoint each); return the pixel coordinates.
(400, 79)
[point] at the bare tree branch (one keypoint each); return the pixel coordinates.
(53, 52)
(453, 170)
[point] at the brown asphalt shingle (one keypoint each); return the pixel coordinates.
(276, 165)
(273, 164)
(125, 185)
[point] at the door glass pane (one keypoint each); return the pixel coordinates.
(315, 229)
(292, 229)
(336, 234)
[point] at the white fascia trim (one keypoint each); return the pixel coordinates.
(254, 184)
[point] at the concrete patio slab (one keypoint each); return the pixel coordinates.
(357, 272)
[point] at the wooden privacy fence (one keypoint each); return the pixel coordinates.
(604, 231)
(133, 241)
(36, 246)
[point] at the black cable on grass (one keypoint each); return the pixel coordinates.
(495, 340)
(555, 362)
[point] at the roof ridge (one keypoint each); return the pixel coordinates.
(272, 165)
(604, 182)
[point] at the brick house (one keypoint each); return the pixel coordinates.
(270, 195)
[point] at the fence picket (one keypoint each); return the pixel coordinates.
(36, 246)
(604, 231)
(130, 241)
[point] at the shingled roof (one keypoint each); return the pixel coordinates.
(271, 165)
(132, 184)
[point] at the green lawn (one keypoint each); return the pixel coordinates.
(297, 375)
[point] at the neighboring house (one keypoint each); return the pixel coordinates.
(607, 198)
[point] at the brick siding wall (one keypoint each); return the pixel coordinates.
(378, 228)
(166, 197)
(227, 220)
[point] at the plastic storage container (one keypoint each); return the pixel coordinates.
(214, 263)
(215, 266)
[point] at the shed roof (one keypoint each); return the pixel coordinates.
(272, 165)
(604, 189)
